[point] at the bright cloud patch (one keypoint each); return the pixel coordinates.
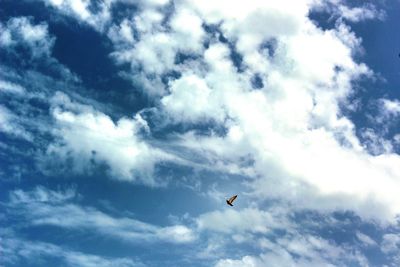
(87, 135)
(83, 10)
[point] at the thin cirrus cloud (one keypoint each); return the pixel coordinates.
(312, 252)
(12, 249)
(11, 125)
(42, 206)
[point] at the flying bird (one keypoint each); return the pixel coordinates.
(230, 201)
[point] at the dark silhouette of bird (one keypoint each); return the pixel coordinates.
(230, 201)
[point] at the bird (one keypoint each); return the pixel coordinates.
(230, 201)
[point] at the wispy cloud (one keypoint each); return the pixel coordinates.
(353, 13)
(299, 250)
(14, 251)
(9, 87)
(365, 239)
(391, 246)
(46, 207)
(20, 31)
(389, 107)
(231, 221)
(11, 126)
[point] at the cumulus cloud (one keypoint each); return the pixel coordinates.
(47, 207)
(293, 127)
(159, 40)
(181, 109)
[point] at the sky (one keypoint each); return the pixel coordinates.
(126, 124)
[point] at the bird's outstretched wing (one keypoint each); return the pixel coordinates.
(232, 199)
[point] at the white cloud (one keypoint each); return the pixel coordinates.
(122, 34)
(9, 87)
(289, 138)
(304, 149)
(365, 239)
(97, 14)
(375, 143)
(390, 107)
(298, 250)
(47, 207)
(181, 109)
(391, 243)
(20, 31)
(86, 135)
(177, 234)
(340, 9)
(187, 30)
(158, 43)
(80, 9)
(11, 125)
(233, 222)
(41, 194)
(14, 249)
(357, 14)
(387, 115)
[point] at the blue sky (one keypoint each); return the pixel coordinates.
(124, 126)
